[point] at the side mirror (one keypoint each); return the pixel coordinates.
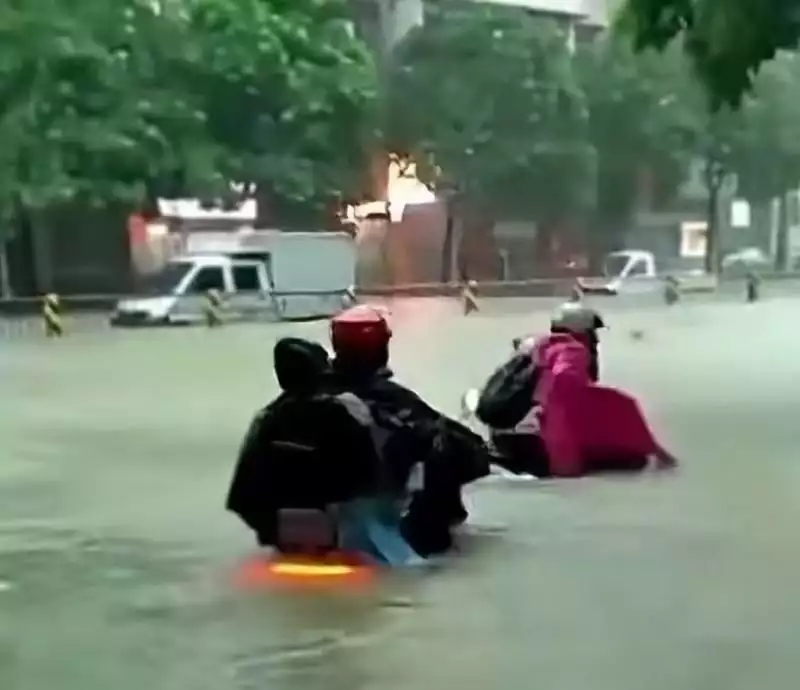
(469, 403)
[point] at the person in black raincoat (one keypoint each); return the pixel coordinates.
(413, 432)
(308, 448)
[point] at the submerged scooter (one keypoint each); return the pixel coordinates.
(365, 529)
(523, 424)
(339, 545)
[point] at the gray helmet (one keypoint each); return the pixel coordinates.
(576, 318)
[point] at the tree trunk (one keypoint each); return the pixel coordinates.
(543, 249)
(42, 253)
(5, 277)
(761, 222)
(782, 235)
(711, 231)
(715, 175)
(448, 245)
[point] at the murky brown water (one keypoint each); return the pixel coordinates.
(117, 561)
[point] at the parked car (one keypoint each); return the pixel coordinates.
(745, 260)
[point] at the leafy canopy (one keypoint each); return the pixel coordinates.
(112, 102)
(643, 119)
(491, 93)
(727, 40)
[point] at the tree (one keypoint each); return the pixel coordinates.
(643, 119)
(105, 102)
(287, 91)
(491, 94)
(646, 109)
(766, 154)
(719, 135)
(105, 106)
(88, 119)
(727, 41)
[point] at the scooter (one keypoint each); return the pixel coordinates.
(471, 397)
(340, 544)
(468, 416)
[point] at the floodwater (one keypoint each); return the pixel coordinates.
(117, 561)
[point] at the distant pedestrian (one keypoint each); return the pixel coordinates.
(752, 287)
(469, 297)
(672, 291)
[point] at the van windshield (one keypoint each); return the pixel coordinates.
(615, 264)
(165, 281)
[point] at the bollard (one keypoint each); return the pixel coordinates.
(212, 309)
(51, 314)
(753, 287)
(672, 291)
(469, 297)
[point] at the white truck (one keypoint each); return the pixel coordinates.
(262, 274)
(635, 271)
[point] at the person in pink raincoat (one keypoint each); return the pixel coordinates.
(587, 428)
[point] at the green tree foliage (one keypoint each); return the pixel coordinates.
(649, 110)
(490, 92)
(108, 103)
(643, 125)
(84, 114)
(766, 153)
(286, 90)
(727, 40)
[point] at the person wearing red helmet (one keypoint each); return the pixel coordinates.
(360, 339)
(413, 431)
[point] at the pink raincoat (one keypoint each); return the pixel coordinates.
(581, 421)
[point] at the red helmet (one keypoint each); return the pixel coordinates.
(360, 328)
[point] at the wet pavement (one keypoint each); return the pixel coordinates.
(117, 561)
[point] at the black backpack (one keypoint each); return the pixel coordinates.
(303, 452)
(508, 394)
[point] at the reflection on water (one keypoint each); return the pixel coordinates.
(624, 587)
(137, 614)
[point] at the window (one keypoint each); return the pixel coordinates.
(614, 265)
(638, 269)
(165, 281)
(208, 278)
(246, 279)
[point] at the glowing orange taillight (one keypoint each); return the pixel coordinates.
(285, 570)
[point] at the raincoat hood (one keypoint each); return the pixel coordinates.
(300, 365)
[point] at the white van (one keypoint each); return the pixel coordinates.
(635, 271)
(270, 276)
